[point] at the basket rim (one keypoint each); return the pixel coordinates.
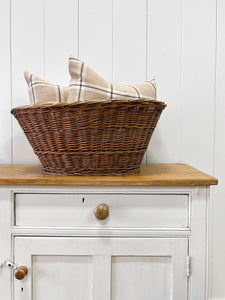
(86, 103)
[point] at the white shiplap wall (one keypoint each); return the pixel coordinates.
(198, 82)
(164, 62)
(218, 220)
(180, 42)
(5, 85)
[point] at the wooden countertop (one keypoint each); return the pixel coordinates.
(150, 175)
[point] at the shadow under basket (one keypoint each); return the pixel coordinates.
(107, 137)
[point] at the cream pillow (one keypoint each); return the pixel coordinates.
(86, 84)
(41, 91)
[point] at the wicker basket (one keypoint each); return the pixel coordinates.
(92, 137)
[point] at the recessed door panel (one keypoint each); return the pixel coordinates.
(57, 277)
(141, 277)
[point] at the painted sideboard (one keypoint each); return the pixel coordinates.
(136, 237)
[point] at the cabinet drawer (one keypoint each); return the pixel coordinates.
(125, 210)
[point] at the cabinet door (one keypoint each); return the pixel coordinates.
(101, 268)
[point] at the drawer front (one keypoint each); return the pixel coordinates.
(125, 210)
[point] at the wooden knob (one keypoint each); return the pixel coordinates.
(101, 211)
(21, 272)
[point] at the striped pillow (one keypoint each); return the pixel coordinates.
(86, 84)
(41, 91)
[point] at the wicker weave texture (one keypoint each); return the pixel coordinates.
(90, 138)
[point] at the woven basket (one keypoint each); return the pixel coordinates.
(91, 137)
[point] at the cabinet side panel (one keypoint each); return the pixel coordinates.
(199, 244)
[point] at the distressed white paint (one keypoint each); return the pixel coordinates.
(199, 255)
(163, 269)
(101, 252)
(160, 256)
(174, 41)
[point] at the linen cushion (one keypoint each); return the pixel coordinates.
(86, 84)
(41, 91)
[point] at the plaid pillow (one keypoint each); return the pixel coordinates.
(85, 84)
(41, 91)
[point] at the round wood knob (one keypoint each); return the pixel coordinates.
(21, 272)
(101, 211)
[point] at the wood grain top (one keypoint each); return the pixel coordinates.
(150, 175)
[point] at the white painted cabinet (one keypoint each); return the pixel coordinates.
(152, 245)
(102, 268)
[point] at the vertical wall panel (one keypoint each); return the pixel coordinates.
(218, 204)
(95, 35)
(27, 54)
(61, 38)
(5, 83)
(164, 57)
(198, 81)
(129, 41)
